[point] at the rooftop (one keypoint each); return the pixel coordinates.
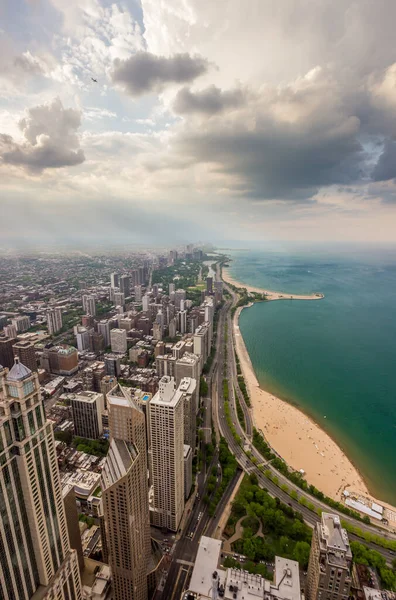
(205, 564)
(119, 459)
(18, 372)
(332, 534)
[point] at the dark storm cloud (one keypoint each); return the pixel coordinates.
(50, 131)
(276, 163)
(386, 166)
(144, 72)
(209, 101)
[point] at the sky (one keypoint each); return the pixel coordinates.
(244, 120)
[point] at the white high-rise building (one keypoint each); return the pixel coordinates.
(145, 302)
(54, 320)
(114, 280)
(89, 306)
(171, 288)
(82, 338)
(118, 340)
(35, 556)
(138, 293)
(166, 417)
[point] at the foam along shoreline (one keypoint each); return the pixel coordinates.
(300, 441)
(269, 294)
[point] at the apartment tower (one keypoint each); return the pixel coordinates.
(125, 497)
(54, 320)
(166, 414)
(35, 555)
(330, 561)
(87, 409)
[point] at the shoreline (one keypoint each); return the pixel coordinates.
(270, 295)
(293, 434)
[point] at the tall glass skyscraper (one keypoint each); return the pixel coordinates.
(35, 555)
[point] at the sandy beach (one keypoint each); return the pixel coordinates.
(270, 294)
(296, 437)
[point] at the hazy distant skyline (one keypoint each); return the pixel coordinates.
(213, 121)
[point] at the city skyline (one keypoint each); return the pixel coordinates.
(277, 126)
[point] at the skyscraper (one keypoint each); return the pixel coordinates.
(54, 320)
(125, 497)
(35, 554)
(26, 354)
(166, 415)
(330, 561)
(125, 285)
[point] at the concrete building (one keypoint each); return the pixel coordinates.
(119, 299)
(218, 287)
(179, 295)
(145, 302)
(36, 558)
(209, 285)
(108, 382)
(125, 285)
(202, 341)
(54, 320)
(26, 354)
(125, 497)
(104, 329)
(188, 456)
(87, 408)
(171, 288)
(89, 306)
(114, 280)
(63, 360)
(179, 349)
(118, 339)
(22, 323)
(157, 331)
(330, 561)
(112, 365)
(10, 331)
(73, 529)
(182, 316)
(188, 388)
(209, 581)
(82, 338)
(138, 293)
(172, 328)
(165, 365)
(166, 413)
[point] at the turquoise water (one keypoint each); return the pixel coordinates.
(333, 357)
